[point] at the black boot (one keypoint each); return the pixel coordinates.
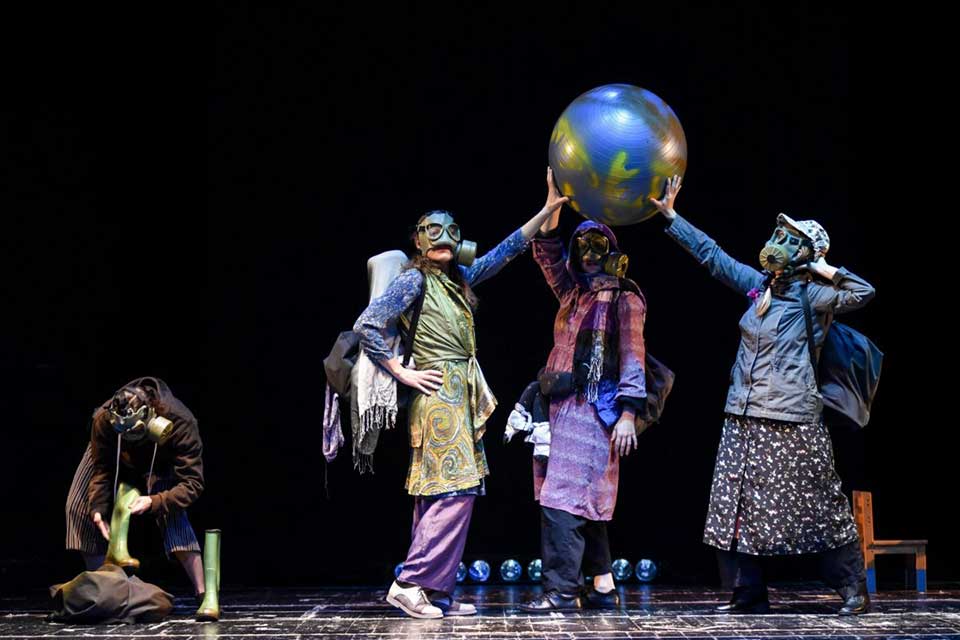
(747, 600)
(856, 600)
(552, 600)
(593, 599)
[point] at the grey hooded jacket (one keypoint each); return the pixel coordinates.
(772, 376)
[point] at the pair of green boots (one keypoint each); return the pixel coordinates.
(119, 554)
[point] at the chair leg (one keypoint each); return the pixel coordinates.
(868, 558)
(921, 569)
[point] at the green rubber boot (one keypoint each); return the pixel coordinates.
(209, 610)
(117, 552)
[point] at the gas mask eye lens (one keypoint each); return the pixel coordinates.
(454, 231)
(434, 231)
(599, 244)
(593, 243)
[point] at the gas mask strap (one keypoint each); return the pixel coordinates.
(116, 473)
(150, 475)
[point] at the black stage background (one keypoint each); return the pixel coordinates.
(327, 131)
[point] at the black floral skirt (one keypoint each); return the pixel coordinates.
(775, 490)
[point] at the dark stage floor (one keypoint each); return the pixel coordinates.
(648, 612)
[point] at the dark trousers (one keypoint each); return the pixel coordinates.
(572, 547)
(840, 568)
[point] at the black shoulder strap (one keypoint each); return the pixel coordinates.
(414, 321)
(626, 284)
(808, 317)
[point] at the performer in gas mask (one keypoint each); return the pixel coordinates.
(775, 490)
(145, 438)
(451, 401)
(594, 379)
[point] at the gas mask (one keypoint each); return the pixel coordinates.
(596, 247)
(437, 229)
(786, 250)
(134, 426)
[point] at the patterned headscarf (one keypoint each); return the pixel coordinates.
(811, 230)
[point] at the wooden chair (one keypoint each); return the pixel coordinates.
(863, 514)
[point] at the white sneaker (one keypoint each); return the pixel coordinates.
(412, 601)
